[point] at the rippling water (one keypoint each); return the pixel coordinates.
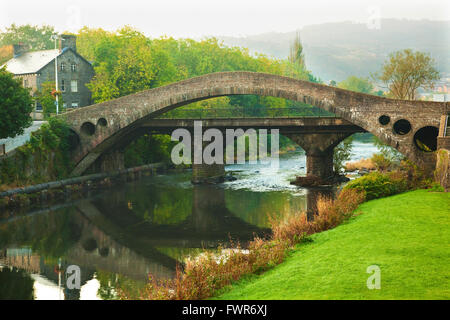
(120, 235)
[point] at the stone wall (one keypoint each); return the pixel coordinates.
(444, 143)
(442, 172)
(83, 74)
(18, 167)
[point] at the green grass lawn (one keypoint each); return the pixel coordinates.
(406, 235)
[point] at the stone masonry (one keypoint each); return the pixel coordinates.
(396, 122)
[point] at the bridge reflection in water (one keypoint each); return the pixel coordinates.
(119, 237)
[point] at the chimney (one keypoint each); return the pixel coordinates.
(19, 49)
(69, 41)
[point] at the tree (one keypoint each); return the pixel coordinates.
(296, 67)
(387, 151)
(406, 71)
(296, 55)
(38, 38)
(356, 84)
(88, 39)
(129, 62)
(46, 97)
(342, 154)
(15, 106)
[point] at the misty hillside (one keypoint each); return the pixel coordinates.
(338, 50)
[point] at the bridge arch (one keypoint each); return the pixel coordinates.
(125, 115)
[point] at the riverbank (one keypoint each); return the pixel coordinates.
(72, 188)
(406, 235)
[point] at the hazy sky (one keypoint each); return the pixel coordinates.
(197, 18)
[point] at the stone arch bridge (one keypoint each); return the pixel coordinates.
(409, 126)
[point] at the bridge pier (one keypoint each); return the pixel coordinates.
(207, 173)
(319, 149)
(320, 164)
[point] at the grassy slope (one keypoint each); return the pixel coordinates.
(406, 235)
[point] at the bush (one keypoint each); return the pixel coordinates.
(15, 106)
(46, 156)
(381, 162)
(415, 177)
(436, 187)
(203, 276)
(363, 164)
(377, 185)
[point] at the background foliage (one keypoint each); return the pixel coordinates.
(15, 106)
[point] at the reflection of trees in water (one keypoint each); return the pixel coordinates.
(51, 234)
(132, 230)
(204, 212)
(110, 282)
(16, 284)
(93, 249)
(157, 204)
(257, 207)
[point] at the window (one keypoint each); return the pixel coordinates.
(74, 86)
(63, 66)
(74, 104)
(64, 105)
(73, 67)
(63, 85)
(25, 83)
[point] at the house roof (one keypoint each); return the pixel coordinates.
(32, 62)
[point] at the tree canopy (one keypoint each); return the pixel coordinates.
(127, 61)
(356, 84)
(15, 106)
(47, 99)
(405, 71)
(37, 37)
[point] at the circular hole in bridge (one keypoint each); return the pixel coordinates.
(384, 120)
(402, 127)
(88, 128)
(90, 245)
(426, 138)
(102, 122)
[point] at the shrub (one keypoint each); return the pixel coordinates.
(203, 276)
(381, 162)
(363, 164)
(377, 185)
(292, 229)
(414, 175)
(331, 213)
(46, 156)
(436, 187)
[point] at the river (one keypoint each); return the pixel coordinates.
(118, 236)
